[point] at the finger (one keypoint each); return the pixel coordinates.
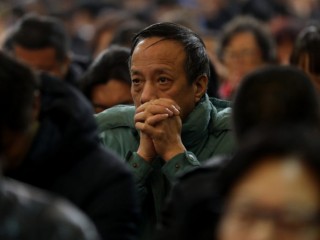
(155, 119)
(140, 117)
(171, 107)
(153, 109)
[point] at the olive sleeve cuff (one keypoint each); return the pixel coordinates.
(140, 168)
(179, 164)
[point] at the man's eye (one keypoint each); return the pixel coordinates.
(163, 80)
(135, 81)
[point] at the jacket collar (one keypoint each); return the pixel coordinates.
(195, 128)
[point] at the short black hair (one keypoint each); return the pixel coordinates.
(112, 63)
(18, 86)
(275, 95)
(308, 42)
(38, 32)
(197, 61)
(244, 24)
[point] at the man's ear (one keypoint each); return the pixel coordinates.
(200, 87)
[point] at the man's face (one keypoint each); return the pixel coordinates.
(107, 95)
(157, 71)
(42, 60)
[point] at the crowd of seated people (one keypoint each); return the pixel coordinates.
(133, 120)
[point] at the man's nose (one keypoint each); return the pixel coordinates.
(149, 92)
(264, 230)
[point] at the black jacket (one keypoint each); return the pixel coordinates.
(67, 158)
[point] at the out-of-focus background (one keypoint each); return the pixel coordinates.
(85, 18)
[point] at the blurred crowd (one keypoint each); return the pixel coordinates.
(160, 119)
(94, 25)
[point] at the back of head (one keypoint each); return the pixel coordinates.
(18, 86)
(109, 64)
(273, 141)
(275, 96)
(39, 32)
(307, 45)
(197, 61)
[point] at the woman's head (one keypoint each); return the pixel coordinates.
(271, 188)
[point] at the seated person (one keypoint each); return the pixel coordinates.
(28, 212)
(174, 125)
(268, 190)
(107, 81)
(244, 46)
(51, 142)
(304, 54)
(269, 97)
(42, 43)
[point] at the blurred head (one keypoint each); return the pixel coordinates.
(42, 43)
(169, 61)
(107, 81)
(273, 96)
(271, 189)
(305, 53)
(124, 34)
(245, 45)
(19, 105)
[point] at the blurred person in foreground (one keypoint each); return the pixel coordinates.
(174, 125)
(272, 97)
(270, 189)
(28, 212)
(59, 150)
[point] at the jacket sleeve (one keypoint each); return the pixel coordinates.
(180, 164)
(141, 171)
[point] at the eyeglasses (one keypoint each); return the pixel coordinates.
(286, 221)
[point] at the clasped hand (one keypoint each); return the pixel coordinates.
(160, 126)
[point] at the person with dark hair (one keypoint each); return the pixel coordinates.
(279, 97)
(275, 95)
(304, 54)
(174, 126)
(107, 81)
(231, 202)
(270, 189)
(42, 43)
(39, 123)
(27, 212)
(245, 45)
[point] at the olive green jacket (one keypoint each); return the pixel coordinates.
(205, 133)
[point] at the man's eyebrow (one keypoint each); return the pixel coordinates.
(135, 72)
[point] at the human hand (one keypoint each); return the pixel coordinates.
(160, 126)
